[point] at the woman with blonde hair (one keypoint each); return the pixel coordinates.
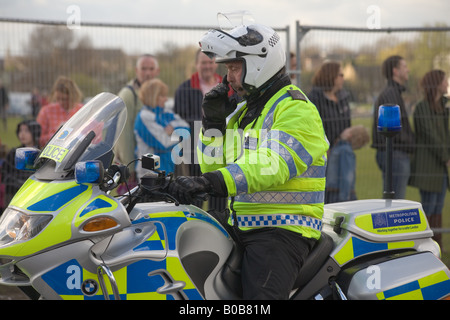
(156, 127)
(65, 101)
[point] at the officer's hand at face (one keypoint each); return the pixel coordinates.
(187, 189)
(217, 106)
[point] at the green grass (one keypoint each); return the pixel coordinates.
(369, 183)
(9, 137)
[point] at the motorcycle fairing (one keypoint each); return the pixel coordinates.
(144, 279)
(70, 204)
(431, 287)
(71, 281)
(375, 225)
(407, 275)
(174, 219)
(354, 247)
(99, 205)
(56, 199)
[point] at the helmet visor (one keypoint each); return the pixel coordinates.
(226, 46)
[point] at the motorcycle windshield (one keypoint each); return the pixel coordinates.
(88, 135)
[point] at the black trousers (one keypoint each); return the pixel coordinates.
(271, 262)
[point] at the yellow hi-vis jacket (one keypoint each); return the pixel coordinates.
(275, 167)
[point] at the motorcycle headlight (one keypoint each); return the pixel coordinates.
(17, 226)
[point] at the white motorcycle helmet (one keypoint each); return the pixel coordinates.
(257, 45)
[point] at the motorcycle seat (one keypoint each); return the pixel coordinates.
(231, 271)
(315, 260)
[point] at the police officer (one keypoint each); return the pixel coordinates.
(267, 153)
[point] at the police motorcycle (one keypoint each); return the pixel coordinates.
(64, 236)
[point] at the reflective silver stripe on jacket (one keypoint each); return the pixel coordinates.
(268, 120)
(270, 220)
(314, 172)
(239, 178)
(283, 197)
(292, 143)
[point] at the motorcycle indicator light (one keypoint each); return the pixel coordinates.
(389, 119)
(89, 172)
(25, 158)
(99, 224)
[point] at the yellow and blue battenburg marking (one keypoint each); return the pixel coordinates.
(396, 222)
(431, 287)
(55, 201)
(71, 281)
(355, 247)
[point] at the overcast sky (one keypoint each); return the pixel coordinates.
(277, 13)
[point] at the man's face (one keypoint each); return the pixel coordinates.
(146, 69)
(205, 66)
(234, 76)
(401, 72)
(443, 86)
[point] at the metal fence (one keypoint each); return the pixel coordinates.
(98, 56)
(362, 50)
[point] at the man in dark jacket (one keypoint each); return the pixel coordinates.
(189, 98)
(4, 105)
(396, 71)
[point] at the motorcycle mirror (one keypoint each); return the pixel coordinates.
(25, 157)
(389, 119)
(89, 172)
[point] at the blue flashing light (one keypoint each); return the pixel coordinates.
(25, 157)
(89, 171)
(389, 119)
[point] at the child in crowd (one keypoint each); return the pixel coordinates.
(157, 129)
(28, 132)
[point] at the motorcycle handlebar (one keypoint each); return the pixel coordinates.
(154, 186)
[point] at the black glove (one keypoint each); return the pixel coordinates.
(186, 189)
(217, 106)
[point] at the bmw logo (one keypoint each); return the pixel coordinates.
(89, 287)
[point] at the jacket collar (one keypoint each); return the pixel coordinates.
(396, 85)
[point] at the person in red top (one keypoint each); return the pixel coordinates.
(189, 95)
(64, 103)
